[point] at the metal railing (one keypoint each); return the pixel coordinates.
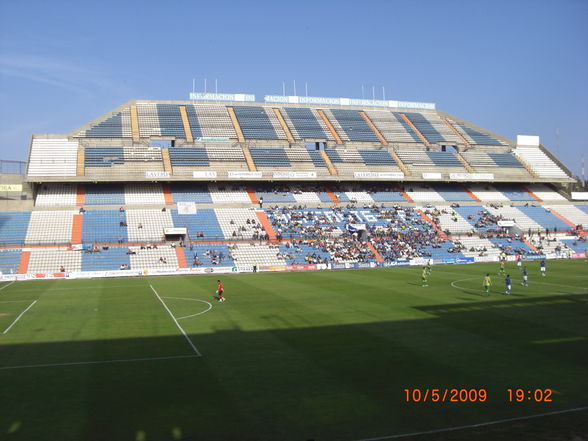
(13, 167)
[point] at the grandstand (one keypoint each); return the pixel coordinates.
(164, 186)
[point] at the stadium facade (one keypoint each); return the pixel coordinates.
(165, 187)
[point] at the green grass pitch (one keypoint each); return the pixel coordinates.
(293, 356)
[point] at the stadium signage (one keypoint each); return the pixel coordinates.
(576, 195)
(244, 175)
(326, 101)
(486, 258)
(199, 96)
(212, 139)
(471, 176)
(465, 260)
(506, 223)
(294, 174)
(534, 257)
(157, 174)
(204, 174)
(186, 208)
(378, 175)
(175, 231)
(432, 176)
(15, 187)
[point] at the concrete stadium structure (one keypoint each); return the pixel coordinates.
(163, 187)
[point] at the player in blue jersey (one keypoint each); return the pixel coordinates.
(508, 283)
(525, 281)
(543, 269)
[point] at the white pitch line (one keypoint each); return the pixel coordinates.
(177, 324)
(6, 286)
(192, 300)
(81, 363)
(15, 301)
(472, 426)
(18, 318)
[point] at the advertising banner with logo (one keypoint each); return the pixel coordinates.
(294, 174)
(157, 174)
(243, 175)
(378, 175)
(204, 174)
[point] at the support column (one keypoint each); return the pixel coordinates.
(236, 124)
(330, 165)
(417, 131)
(284, 125)
(135, 124)
(166, 161)
(186, 123)
(459, 135)
(374, 128)
(467, 166)
(80, 169)
(529, 169)
(401, 165)
(329, 126)
(249, 159)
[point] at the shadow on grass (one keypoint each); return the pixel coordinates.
(322, 382)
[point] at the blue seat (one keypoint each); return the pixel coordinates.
(204, 221)
(106, 260)
(103, 226)
(13, 227)
(9, 261)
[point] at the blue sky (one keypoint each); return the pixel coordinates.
(513, 67)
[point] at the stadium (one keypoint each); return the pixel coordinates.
(320, 215)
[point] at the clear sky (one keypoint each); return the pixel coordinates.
(512, 67)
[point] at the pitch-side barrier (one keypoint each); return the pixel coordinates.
(276, 268)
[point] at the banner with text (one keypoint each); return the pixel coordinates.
(204, 174)
(294, 174)
(243, 175)
(471, 176)
(157, 174)
(378, 175)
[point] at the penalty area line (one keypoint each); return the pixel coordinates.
(196, 351)
(19, 316)
(82, 363)
(192, 300)
(473, 426)
(6, 286)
